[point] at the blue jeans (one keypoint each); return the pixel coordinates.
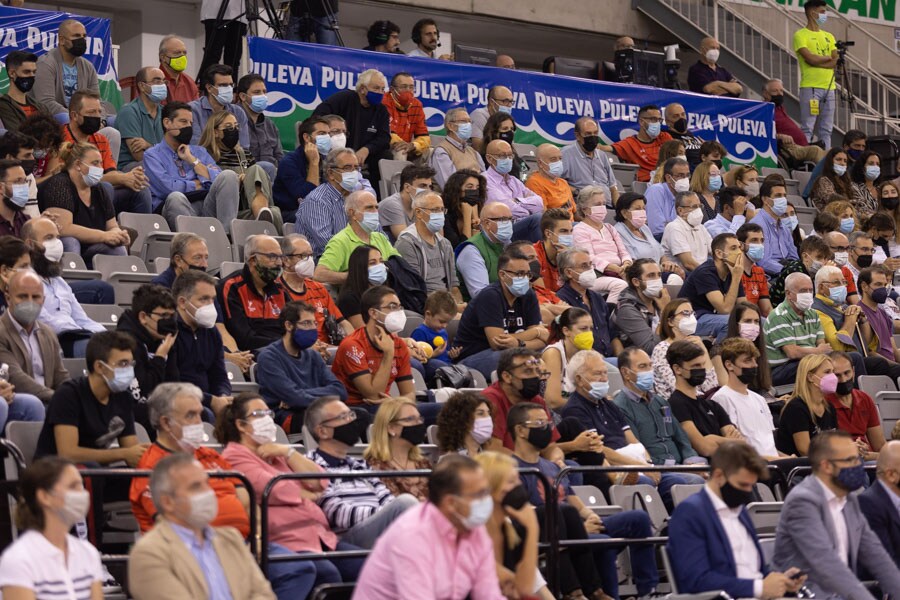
(711, 324)
(24, 407)
(296, 579)
(633, 524)
(528, 228)
(667, 480)
(301, 29)
(826, 118)
(127, 200)
(484, 362)
(93, 291)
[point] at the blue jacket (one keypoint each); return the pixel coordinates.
(290, 182)
(295, 382)
(880, 512)
(701, 553)
(201, 360)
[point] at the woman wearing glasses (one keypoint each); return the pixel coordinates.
(296, 523)
(677, 322)
(220, 139)
(394, 446)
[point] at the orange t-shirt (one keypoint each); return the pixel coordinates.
(556, 194)
(642, 154)
(102, 144)
(27, 109)
(317, 296)
(358, 356)
(549, 273)
(231, 511)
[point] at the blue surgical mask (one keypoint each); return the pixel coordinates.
(715, 183)
(479, 512)
(323, 143)
(374, 98)
(599, 390)
(822, 19)
(555, 168)
(93, 176)
(504, 165)
(519, 286)
(566, 240)
(122, 378)
(789, 223)
(370, 221)
(158, 92)
(19, 194)
(504, 231)
(653, 130)
(755, 252)
(350, 181)
(838, 294)
(259, 103)
(435, 222)
(644, 381)
(839, 170)
(779, 206)
(464, 131)
(873, 172)
(378, 274)
(225, 94)
(506, 110)
(847, 225)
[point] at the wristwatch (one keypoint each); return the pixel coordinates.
(196, 162)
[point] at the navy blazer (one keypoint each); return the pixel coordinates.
(700, 552)
(883, 518)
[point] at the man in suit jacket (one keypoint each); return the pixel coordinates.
(823, 531)
(881, 502)
(27, 345)
(712, 541)
(182, 556)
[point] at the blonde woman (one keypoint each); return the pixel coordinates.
(514, 529)
(668, 150)
(220, 138)
(394, 446)
(706, 183)
(745, 177)
(846, 215)
(807, 413)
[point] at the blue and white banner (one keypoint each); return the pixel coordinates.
(298, 76)
(36, 31)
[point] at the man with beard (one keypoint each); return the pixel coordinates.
(70, 323)
(15, 189)
(20, 147)
(15, 105)
(677, 126)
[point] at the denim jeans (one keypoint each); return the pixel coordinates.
(667, 480)
(528, 228)
(633, 524)
(301, 29)
(221, 202)
(93, 291)
(484, 362)
(826, 118)
(710, 324)
(366, 532)
(24, 407)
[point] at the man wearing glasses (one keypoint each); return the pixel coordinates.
(642, 148)
(500, 99)
(526, 206)
(252, 299)
(862, 250)
(685, 240)
(822, 530)
(455, 152)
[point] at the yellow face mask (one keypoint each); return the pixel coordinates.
(179, 63)
(584, 340)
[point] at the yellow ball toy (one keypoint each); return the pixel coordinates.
(438, 341)
(426, 348)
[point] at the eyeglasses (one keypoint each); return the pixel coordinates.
(692, 207)
(435, 211)
(414, 420)
(853, 460)
(684, 313)
(503, 156)
(498, 219)
(346, 417)
(864, 250)
(346, 169)
(391, 308)
(840, 248)
(504, 101)
(271, 256)
(517, 273)
(302, 256)
(256, 414)
(539, 424)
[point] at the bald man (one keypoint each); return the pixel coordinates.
(548, 182)
(505, 61)
(477, 257)
(706, 76)
(677, 124)
(525, 205)
(29, 347)
(624, 43)
(500, 99)
(881, 502)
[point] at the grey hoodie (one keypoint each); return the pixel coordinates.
(412, 247)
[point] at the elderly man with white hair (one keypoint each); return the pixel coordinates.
(361, 215)
(793, 330)
(368, 121)
(456, 151)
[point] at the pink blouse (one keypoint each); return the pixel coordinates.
(605, 247)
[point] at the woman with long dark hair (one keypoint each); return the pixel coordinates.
(864, 174)
(464, 195)
(365, 268)
(834, 179)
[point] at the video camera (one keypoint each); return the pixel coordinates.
(843, 45)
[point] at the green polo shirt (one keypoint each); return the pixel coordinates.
(338, 250)
(784, 327)
(133, 121)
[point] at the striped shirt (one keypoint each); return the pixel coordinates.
(320, 216)
(347, 502)
(33, 563)
(785, 327)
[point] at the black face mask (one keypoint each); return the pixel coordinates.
(230, 138)
(541, 437)
(680, 126)
(748, 375)
(516, 497)
(24, 84)
(28, 165)
(733, 497)
(844, 388)
(79, 47)
(472, 197)
(414, 434)
(184, 134)
(864, 261)
(166, 326)
(890, 203)
(90, 125)
(535, 266)
(507, 136)
(591, 142)
(718, 163)
(696, 377)
(531, 387)
(778, 100)
(197, 268)
(348, 433)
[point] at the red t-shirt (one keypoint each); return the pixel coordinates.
(100, 142)
(851, 283)
(858, 420)
(549, 273)
(231, 511)
(642, 154)
(357, 355)
(27, 109)
(501, 405)
(756, 285)
(317, 296)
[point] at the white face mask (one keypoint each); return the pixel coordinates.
(841, 258)
(587, 278)
(804, 301)
(712, 56)
(339, 141)
(682, 185)
(688, 325)
(205, 315)
(204, 508)
(192, 437)
(305, 267)
(53, 250)
(695, 217)
(76, 504)
(394, 322)
(654, 288)
(263, 430)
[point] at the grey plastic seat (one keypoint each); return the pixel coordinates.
(153, 234)
(241, 229)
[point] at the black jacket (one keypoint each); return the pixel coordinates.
(367, 127)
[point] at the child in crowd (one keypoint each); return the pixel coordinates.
(440, 309)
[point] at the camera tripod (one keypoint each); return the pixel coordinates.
(252, 13)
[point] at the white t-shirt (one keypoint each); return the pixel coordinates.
(34, 563)
(679, 237)
(752, 416)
